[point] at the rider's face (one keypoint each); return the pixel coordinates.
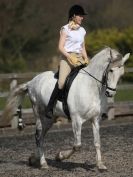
(78, 19)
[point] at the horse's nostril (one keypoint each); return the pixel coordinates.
(107, 93)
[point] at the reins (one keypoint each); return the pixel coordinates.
(92, 76)
(101, 82)
(104, 80)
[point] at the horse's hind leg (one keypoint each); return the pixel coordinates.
(42, 126)
(76, 125)
(95, 125)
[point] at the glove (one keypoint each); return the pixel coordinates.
(77, 61)
(86, 60)
(73, 60)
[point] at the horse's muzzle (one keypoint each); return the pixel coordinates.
(108, 94)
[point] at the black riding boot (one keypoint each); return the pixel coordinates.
(52, 102)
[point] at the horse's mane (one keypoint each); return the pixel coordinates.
(100, 49)
(98, 53)
(119, 56)
(101, 60)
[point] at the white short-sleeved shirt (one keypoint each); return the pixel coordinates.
(74, 40)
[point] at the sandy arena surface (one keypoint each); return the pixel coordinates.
(117, 151)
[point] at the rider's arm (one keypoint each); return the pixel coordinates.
(84, 53)
(72, 60)
(62, 44)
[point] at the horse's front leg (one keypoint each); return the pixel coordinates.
(76, 125)
(95, 125)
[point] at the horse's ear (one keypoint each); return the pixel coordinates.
(124, 59)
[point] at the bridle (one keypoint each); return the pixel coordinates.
(105, 75)
(104, 80)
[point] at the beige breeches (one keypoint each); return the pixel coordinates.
(64, 70)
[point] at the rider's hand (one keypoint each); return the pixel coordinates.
(73, 60)
(86, 60)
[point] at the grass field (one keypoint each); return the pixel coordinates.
(122, 95)
(26, 103)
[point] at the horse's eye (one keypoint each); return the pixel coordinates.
(111, 70)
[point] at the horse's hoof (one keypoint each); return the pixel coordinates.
(77, 148)
(44, 166)
(34, 161)
(102, 167)
(59, 157)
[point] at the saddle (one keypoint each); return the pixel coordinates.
(64, 92)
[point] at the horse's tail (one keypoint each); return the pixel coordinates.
(14, 100)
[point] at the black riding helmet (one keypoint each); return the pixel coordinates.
(76, 10)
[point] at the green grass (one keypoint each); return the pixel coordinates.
(124, 95)
(121, 95)
(2, 103)
(26, 103)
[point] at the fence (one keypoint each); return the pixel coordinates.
(114, 109)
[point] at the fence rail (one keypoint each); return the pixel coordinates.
(115, 109)
(29, 75)
(121, 109)
(17, 76)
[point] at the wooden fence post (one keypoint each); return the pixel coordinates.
(14, 121)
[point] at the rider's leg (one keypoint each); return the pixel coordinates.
(52, 102)
(65, 69)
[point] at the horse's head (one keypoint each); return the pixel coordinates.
(115, 71)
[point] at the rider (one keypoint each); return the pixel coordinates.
(73, 52)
